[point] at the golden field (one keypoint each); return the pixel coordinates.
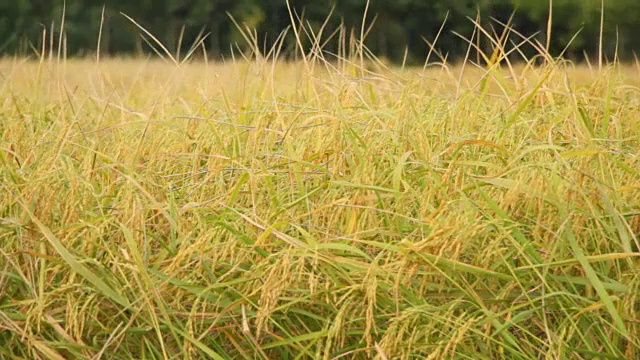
(312, 209)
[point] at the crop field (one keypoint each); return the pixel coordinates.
(315, 209)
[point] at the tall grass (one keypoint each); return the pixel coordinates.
(332, 207)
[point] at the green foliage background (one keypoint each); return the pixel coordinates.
(399, 24)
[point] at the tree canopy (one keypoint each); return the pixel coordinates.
(401, 28)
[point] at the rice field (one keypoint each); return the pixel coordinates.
(314, 209)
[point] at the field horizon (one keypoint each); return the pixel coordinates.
(262, 209)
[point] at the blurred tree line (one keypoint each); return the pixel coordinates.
(400, 26)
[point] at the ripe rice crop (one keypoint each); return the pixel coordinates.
(258, 208)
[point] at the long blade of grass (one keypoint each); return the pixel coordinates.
(594, 280)
(73, 263)
(347, 184)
